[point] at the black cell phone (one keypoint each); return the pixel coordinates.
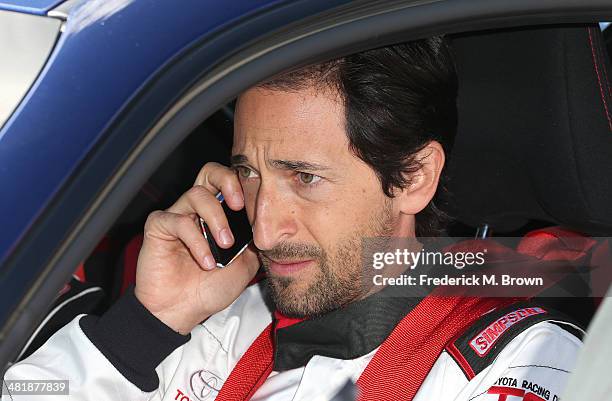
(241, 229)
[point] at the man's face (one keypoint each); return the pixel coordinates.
(309, 198)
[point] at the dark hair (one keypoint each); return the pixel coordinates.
(397, 99)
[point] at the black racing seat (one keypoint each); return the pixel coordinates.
(534, 141)
(534, 135)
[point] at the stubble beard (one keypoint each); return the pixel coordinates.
(339, 279)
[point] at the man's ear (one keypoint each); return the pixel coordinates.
(423, 183)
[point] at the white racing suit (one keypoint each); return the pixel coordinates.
(523, 352)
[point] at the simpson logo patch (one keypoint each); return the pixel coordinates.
(485, 340)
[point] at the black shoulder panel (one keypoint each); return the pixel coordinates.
(478, 347)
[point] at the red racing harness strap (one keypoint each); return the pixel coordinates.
(391, 375)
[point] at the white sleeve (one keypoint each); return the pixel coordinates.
(102, 359)
(69, 355)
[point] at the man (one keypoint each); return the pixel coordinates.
(323, 157)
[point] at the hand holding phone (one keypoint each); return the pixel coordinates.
(177, 277)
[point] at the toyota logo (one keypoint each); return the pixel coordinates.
(204, 384)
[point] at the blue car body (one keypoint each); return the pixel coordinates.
(108, 50)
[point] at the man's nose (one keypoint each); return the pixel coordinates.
(273, 221)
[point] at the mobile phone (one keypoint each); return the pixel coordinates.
(241, 229)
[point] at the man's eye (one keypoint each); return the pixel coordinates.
(244, 172)
(308, 179)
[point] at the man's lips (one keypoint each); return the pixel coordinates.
(287, 267)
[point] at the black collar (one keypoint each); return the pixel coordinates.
(346, 333)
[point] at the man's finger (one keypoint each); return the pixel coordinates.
(172, 226)
(217, 178)
(200, 201)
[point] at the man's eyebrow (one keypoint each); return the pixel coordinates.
(297, 165)
(239, 159)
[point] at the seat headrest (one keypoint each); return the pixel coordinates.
(534, 137)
